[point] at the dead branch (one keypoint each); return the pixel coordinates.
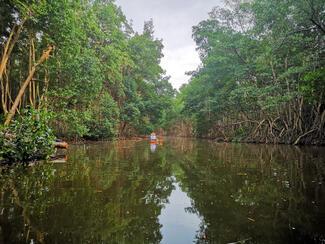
(303, 135)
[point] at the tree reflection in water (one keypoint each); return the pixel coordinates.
(255, 193)
(115, 192)
(106, 193)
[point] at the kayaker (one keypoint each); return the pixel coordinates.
(153, 136)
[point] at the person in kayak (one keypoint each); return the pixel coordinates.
(153, 136)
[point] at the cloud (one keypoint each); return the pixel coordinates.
(178, 61)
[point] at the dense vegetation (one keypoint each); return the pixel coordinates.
(78, 70)
(28, 138)
(82, 62)
(262, 77)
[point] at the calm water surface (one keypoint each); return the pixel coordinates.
(184, 191)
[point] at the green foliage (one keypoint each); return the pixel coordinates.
(313, 84)
(27, 138)
(261, 60)
(148, 94)
(103, 119)
(104, 79)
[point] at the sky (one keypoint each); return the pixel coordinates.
(173, 21)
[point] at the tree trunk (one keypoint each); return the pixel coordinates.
(25, 84)
(12, 39)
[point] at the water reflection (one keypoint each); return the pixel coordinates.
(178, 225)
(263, 194)
(153, 147)
(121, 192)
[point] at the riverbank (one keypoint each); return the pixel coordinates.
(256, 133)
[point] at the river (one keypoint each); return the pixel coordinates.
(182, 191)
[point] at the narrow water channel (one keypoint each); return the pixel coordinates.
(184, 191)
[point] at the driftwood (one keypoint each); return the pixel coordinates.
(60, 155)
(61, 144)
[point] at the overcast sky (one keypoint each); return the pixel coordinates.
(173, 21)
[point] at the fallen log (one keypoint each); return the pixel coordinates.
(61, 145)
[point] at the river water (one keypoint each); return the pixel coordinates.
(183, 191)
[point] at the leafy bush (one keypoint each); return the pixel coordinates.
(27, 138)
(103, 119)
(70, 123)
